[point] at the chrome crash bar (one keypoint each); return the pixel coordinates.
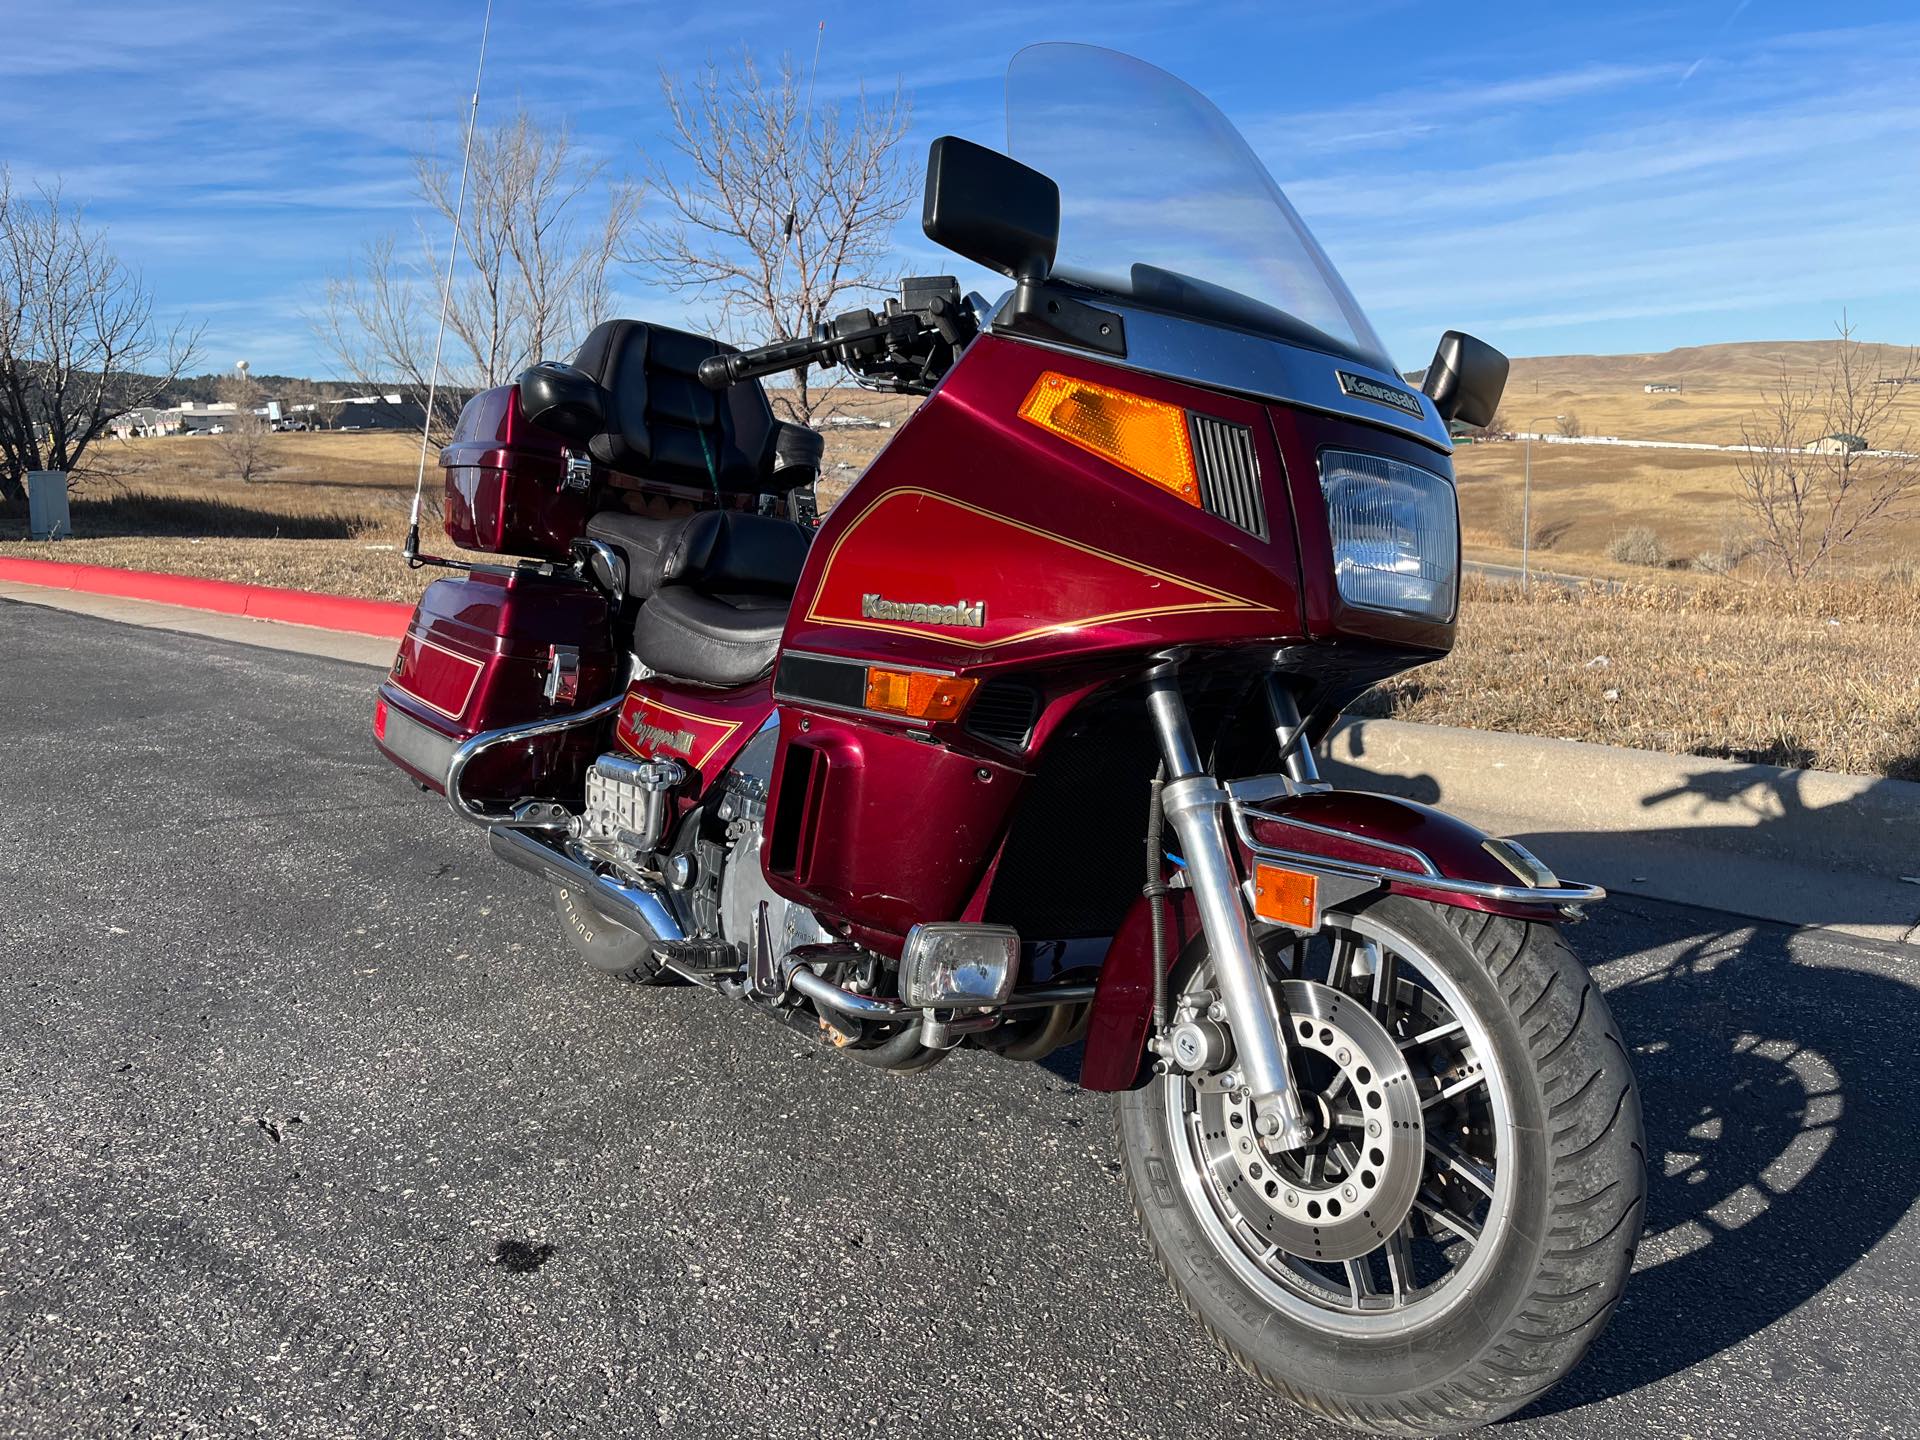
(1565, 894)
(529, 815)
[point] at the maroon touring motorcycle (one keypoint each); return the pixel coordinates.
(1015, 749)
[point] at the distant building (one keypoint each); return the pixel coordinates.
(143, 422)
(375, 412)
(1838, 443)
(219, 416)
(189, 418)
(1662, 387)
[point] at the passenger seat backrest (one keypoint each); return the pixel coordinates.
(663, 424)
(726, 552)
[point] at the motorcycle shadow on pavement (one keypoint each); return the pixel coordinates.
(1778, 1105)
(1775, 1160)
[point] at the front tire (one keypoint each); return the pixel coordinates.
(1523, 1132)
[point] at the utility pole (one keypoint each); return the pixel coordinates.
(1526, 506)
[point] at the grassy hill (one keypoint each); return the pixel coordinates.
(1720, 385)
(1585, 496)
(336, 501)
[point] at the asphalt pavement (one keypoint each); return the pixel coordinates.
(312, 1127)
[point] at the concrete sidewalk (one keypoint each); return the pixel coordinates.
(1807, 847)
(267, 634)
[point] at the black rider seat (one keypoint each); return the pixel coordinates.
(664, 426)
(715, 585)
(721, 640)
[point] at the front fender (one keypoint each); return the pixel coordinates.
(1401, 846)
(1362, 844)
(1123, 999)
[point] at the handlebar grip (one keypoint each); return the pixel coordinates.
(716, 371)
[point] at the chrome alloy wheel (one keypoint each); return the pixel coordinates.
(1385, 1221)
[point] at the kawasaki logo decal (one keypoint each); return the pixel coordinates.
(1380, 392)
(970, 613)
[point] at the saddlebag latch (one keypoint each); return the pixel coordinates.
(563, 674)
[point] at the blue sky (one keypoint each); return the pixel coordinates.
(1554, 178)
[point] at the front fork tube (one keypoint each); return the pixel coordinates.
(1195, 805)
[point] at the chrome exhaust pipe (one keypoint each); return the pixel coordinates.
(633, 906)
(641, 911)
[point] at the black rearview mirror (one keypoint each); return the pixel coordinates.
(1466, 379)
(991, 209)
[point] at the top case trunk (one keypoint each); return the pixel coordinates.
(508, 488)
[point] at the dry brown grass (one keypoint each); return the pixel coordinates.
(329, 515)
(1720, 384)
(1826, 676)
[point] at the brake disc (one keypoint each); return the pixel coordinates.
(1343, 1195)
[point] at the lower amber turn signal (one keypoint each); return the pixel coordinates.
(916, 695)
(1286, 897)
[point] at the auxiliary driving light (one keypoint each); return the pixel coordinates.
(951, 966)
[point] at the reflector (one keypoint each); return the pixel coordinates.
(1145, 437)
(918, 695)
(380, 718)
(1286, 897)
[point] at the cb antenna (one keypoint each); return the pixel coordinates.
(412, 550)
(806, 135)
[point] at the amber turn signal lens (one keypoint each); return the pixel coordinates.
(1286, 897)
(1147, 437)
(916, 695)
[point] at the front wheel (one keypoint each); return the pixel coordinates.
(1461, 1225)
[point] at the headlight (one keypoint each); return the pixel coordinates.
(1396, 534)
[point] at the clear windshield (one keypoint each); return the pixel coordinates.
(1161, 200)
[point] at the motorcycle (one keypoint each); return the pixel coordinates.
(1014, 749)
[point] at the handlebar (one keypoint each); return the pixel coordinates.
(899, 347)
(717, 372)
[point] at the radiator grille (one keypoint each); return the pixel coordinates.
(1229, 473)
(1003, 712)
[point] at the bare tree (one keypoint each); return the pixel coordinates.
(1806, 475)
(1496, 428)
(542, 225)
(78, 345)
(783, 212)
(241, 444)
(1569, 425)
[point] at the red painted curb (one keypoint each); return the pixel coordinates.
(383, 618)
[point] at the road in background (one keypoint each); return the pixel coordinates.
(314, 1128)
(1492, 570)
